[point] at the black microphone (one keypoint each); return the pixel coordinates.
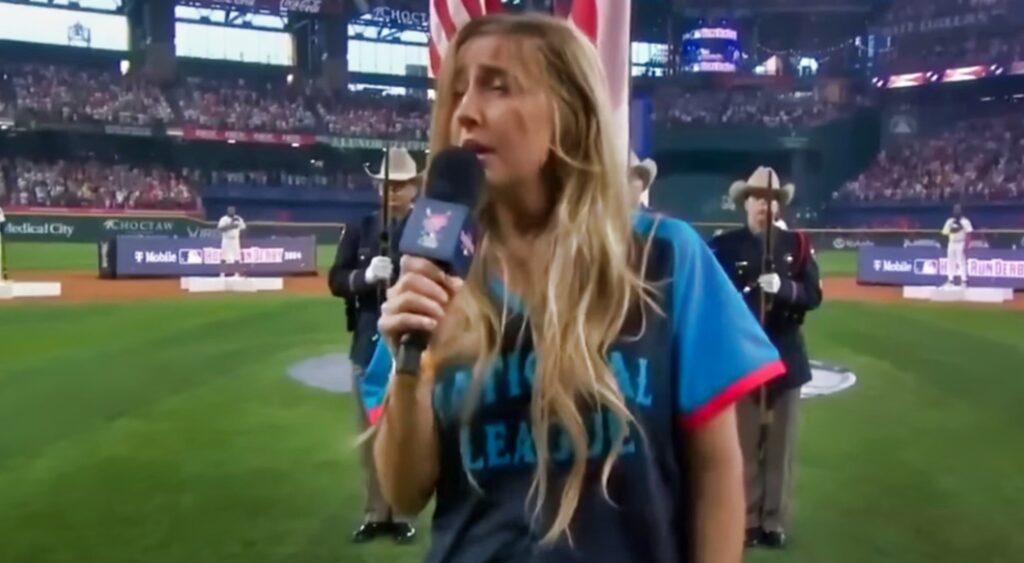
(440, 229)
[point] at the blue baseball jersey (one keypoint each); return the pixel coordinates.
(683, 368)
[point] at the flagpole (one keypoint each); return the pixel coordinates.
(385, 218)
(767, 267)
(629, 94)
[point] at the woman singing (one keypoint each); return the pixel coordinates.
(575, 402)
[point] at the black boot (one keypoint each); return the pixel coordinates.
(403, 532)
(369, 531)
(753, 537)
(774, 540)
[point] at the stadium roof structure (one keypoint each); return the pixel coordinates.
(753, 7)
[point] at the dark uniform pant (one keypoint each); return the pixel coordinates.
(376, 508)
(768, 458)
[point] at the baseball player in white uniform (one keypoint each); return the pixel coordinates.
(958, 228)
(231, 227)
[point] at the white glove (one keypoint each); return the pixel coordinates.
(380, 269)
(770, 283)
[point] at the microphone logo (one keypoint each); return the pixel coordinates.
(433, 224)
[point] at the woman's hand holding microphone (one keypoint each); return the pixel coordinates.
(418, 301)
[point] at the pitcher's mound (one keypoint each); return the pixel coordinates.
(332, 373)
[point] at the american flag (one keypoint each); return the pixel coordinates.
(605, 22)
(447, 16)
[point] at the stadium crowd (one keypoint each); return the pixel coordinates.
(768, 109)
(90, 183)
(86, 95)
(81, 94)
(240, 105)
(979, 159)
(69, 94)
(362, 115)
(93, 184)
(975, 160)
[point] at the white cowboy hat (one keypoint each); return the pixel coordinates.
(761, 180)
(401, 167)
(647, 169)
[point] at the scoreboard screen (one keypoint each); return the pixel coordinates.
(710, 49)
(69, 28)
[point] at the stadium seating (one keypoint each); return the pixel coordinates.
(769, 109)
(93, 184)
(977, 159)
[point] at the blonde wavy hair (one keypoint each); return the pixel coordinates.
(595, 263)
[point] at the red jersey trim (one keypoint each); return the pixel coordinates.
(732, 393)
(374, 415)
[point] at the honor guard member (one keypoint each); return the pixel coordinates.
(790, 286)
(360, 274)
(641, 175)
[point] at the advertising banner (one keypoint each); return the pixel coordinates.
(398, 18)
(926, 265)
(965, 74)
(129, 131)
(86, 226)
(368, 143)
(906, 80)
(92, 228)
(169, 257)
(976, 18)
(300, 139)
(40, 229)
(852, 240)
(306, 6)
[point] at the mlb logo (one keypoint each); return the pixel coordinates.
(190, 256)
(926, 267)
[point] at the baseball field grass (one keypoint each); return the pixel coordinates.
(168, 431)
